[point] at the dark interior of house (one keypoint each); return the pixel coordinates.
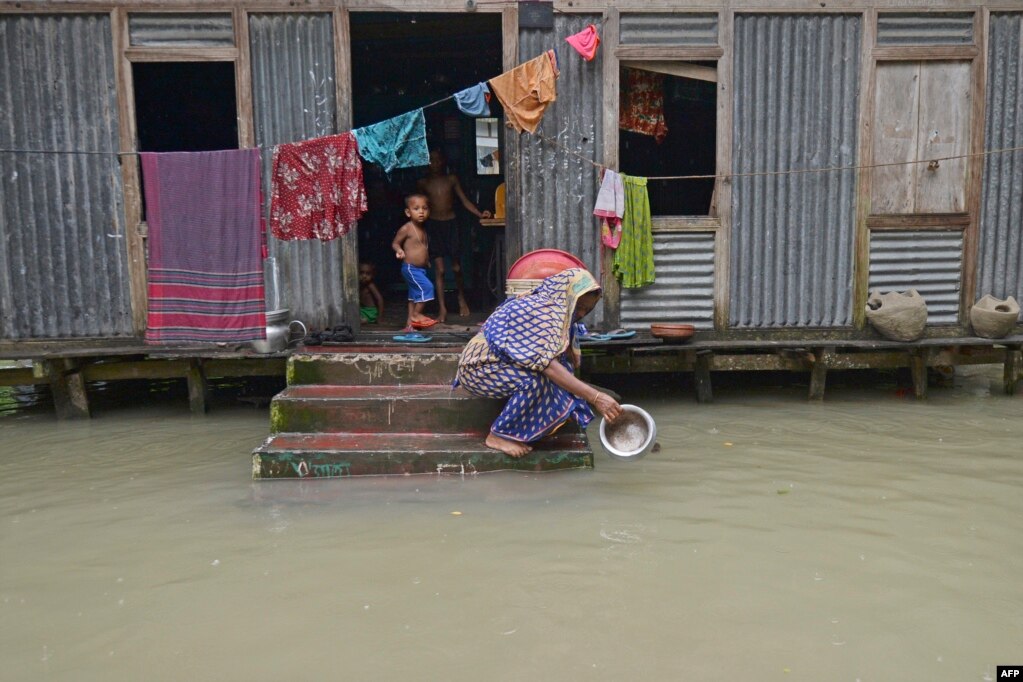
(690, 112)
(401, 61)
(185, 106)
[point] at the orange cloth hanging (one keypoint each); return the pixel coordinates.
(526, 90)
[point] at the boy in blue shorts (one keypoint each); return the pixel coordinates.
(411, 245)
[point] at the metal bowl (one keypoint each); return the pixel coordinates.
(631, 436)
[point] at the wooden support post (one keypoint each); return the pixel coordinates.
(704, 394)
(918, 368)
(1013, 367)
(68, 387)
(197, 387)
(818, 374)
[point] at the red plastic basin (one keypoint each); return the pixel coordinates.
(543, 263)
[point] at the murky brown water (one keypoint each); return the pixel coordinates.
(868, 538)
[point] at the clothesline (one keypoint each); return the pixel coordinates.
(796, 171)
(706, 176)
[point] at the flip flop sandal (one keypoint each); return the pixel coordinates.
(594, 338)
(425, 324)
(412, 337)
(620, 334)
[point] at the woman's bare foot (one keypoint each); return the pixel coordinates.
(508, 447)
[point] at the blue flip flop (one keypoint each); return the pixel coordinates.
(620, 334)
(594, 337)
(412, 337)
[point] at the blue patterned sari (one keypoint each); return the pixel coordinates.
(517, 343)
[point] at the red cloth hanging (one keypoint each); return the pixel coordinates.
(317, 188)
(642, 105)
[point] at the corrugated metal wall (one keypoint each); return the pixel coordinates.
(925, 260)
(1000, 253)
(668, 28)
(177, 30)
(558, 189)
(684, 290)
(925, 28)
(294, 99)
(796, 99)
(63, 255)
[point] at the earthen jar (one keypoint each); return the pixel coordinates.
(993, 318)
(898, 316)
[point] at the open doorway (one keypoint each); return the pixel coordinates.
(401, 61)
(184, 107)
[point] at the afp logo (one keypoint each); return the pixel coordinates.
(1010, 672)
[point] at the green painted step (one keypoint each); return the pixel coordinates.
(341, 455)
(381, 409)
(374, 368)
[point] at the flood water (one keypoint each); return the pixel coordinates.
(870, 537)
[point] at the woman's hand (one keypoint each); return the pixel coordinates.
(607, 406)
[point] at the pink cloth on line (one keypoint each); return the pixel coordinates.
(585, 42)
(316, 188)
(205, 241)
(610, 206)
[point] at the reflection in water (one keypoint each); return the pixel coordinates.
(870, 537)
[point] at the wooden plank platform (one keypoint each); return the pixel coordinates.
(68, 366)
(816, 356)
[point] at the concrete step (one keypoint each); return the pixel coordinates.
(381, 409)
(375, 368)
(340, 455)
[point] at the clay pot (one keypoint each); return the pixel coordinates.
(897, 316)
(672, 333)
(993, 318)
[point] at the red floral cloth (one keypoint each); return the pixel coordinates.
(642, 105)
(317, 189)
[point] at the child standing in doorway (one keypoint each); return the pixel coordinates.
(411, 245)
(442, 188)
(371, 302)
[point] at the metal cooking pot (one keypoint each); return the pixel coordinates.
(278, 332)
(630, 436)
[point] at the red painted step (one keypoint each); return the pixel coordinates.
(320, 455)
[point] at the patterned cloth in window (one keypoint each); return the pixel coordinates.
(642, 104)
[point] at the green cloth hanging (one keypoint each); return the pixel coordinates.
(634, 258)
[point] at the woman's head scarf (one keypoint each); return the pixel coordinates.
(535, 328)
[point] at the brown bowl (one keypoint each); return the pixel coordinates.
(673, 333)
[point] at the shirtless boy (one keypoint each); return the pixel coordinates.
(442, 187)
(411, 245)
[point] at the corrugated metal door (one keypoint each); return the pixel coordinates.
(558, 189)
(1000, 259)
(63, 253)
(294, 99)
(796, 100)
